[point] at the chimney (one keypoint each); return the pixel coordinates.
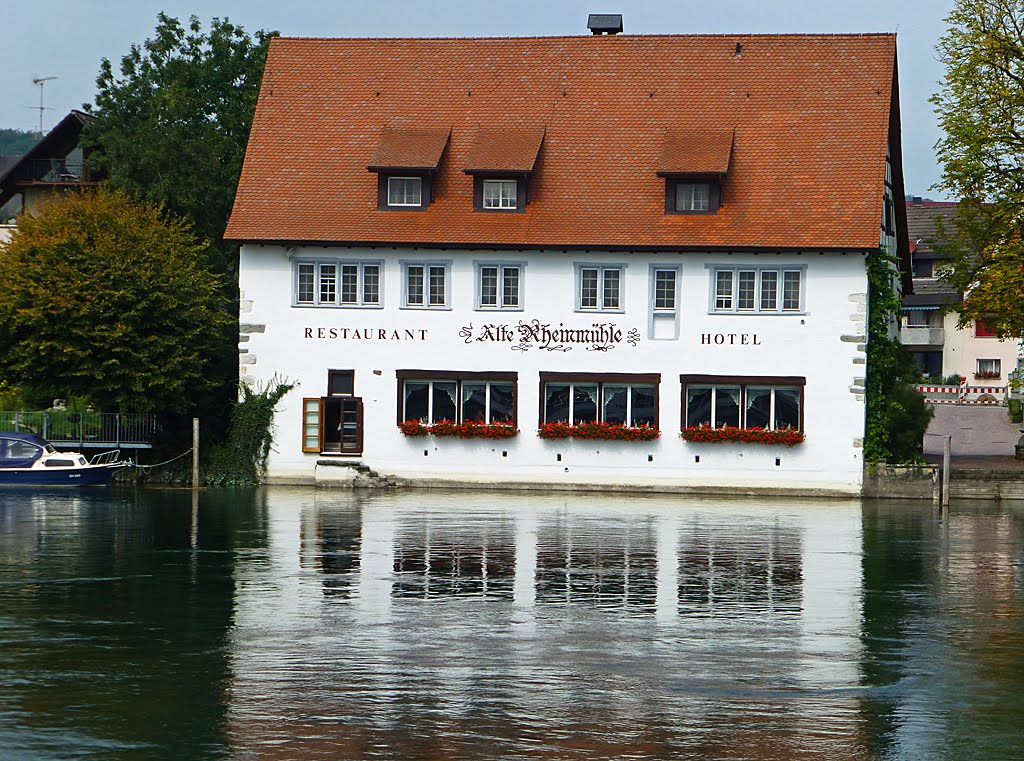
(917, 201)
(605, 23)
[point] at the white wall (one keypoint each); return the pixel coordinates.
(825, 344)
(963, 349)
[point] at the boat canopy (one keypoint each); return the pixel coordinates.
(20, 450)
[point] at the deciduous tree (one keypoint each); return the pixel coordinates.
(173, 120)
(109, 299)
(980, 109)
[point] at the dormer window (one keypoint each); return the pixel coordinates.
(501, 162)
(405, 191)
(694, 166)
(500, 194)
(693, 196)
(406, 162)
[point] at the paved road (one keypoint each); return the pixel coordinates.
(976, 431)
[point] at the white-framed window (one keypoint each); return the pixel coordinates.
(500, 194)
(989, 368)
(693, 196)
(608, 400)
(456, 397)
(338, 283)
(405, 191)
(499, 286)
(425, 284)
(599, 287)
(757, 290)
(743, 405)
(665, 296)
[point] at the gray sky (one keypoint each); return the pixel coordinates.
(67, 39)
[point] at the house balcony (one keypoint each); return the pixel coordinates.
(56, 171)
(922, 336)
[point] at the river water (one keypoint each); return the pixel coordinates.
(301, 624)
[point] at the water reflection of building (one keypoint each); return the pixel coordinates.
(426, 620)
(644, 564)
(458, 562)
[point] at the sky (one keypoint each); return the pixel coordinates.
(67, 39)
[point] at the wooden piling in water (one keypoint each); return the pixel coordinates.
(195, 453)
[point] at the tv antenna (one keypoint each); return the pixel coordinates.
(41, 81)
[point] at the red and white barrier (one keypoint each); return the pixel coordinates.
(959, 394)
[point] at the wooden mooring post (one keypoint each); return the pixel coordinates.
(947, 443)
(195, 453)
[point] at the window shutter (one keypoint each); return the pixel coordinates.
(312, 430)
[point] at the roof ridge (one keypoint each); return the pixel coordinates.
(721, 35)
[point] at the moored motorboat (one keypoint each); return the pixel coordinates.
(30, 460)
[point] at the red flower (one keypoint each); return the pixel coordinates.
(703, 434)
(470, 429)
(598, 432)
(413, 428)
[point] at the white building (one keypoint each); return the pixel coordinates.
(526, 232)
(929, 324)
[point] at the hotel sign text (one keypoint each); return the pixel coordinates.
(730, 339)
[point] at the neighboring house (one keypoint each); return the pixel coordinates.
(53, 165)
(928, 325)
(656, 231)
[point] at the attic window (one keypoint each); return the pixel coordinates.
(693, 196)
(694, 166)
(405, 191)
(501, 162)
(500, 194)
(406, 161)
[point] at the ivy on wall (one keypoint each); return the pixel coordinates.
(897, 416)
(242, 459)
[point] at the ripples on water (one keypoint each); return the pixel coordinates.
(292, 624)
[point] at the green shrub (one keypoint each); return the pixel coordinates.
(1016, 411)
(897, 416)
(952, 380)
(241, 459)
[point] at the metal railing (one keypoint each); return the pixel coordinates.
(54, 170)
(86, 429)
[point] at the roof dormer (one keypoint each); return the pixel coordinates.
(694, 165)
(501, 162)
(406, 162)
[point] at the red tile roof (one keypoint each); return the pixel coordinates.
(809, 113)
(703, 152)
(510, 150)
(410, 148)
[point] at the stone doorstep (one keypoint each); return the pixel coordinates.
(339, 472)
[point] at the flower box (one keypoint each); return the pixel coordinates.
(702, 434)
(598, 432)
(987, 375)
(466, 430)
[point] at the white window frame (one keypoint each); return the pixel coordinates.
(601, 401)
(602, 270)
(656, 270)
(319, 265)
(502, 201)
(501, 303)
(693, 202)
(430, 268)
(990, 366)
(404, 205)
(488, 383)
(722, 302)
(742, 402)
